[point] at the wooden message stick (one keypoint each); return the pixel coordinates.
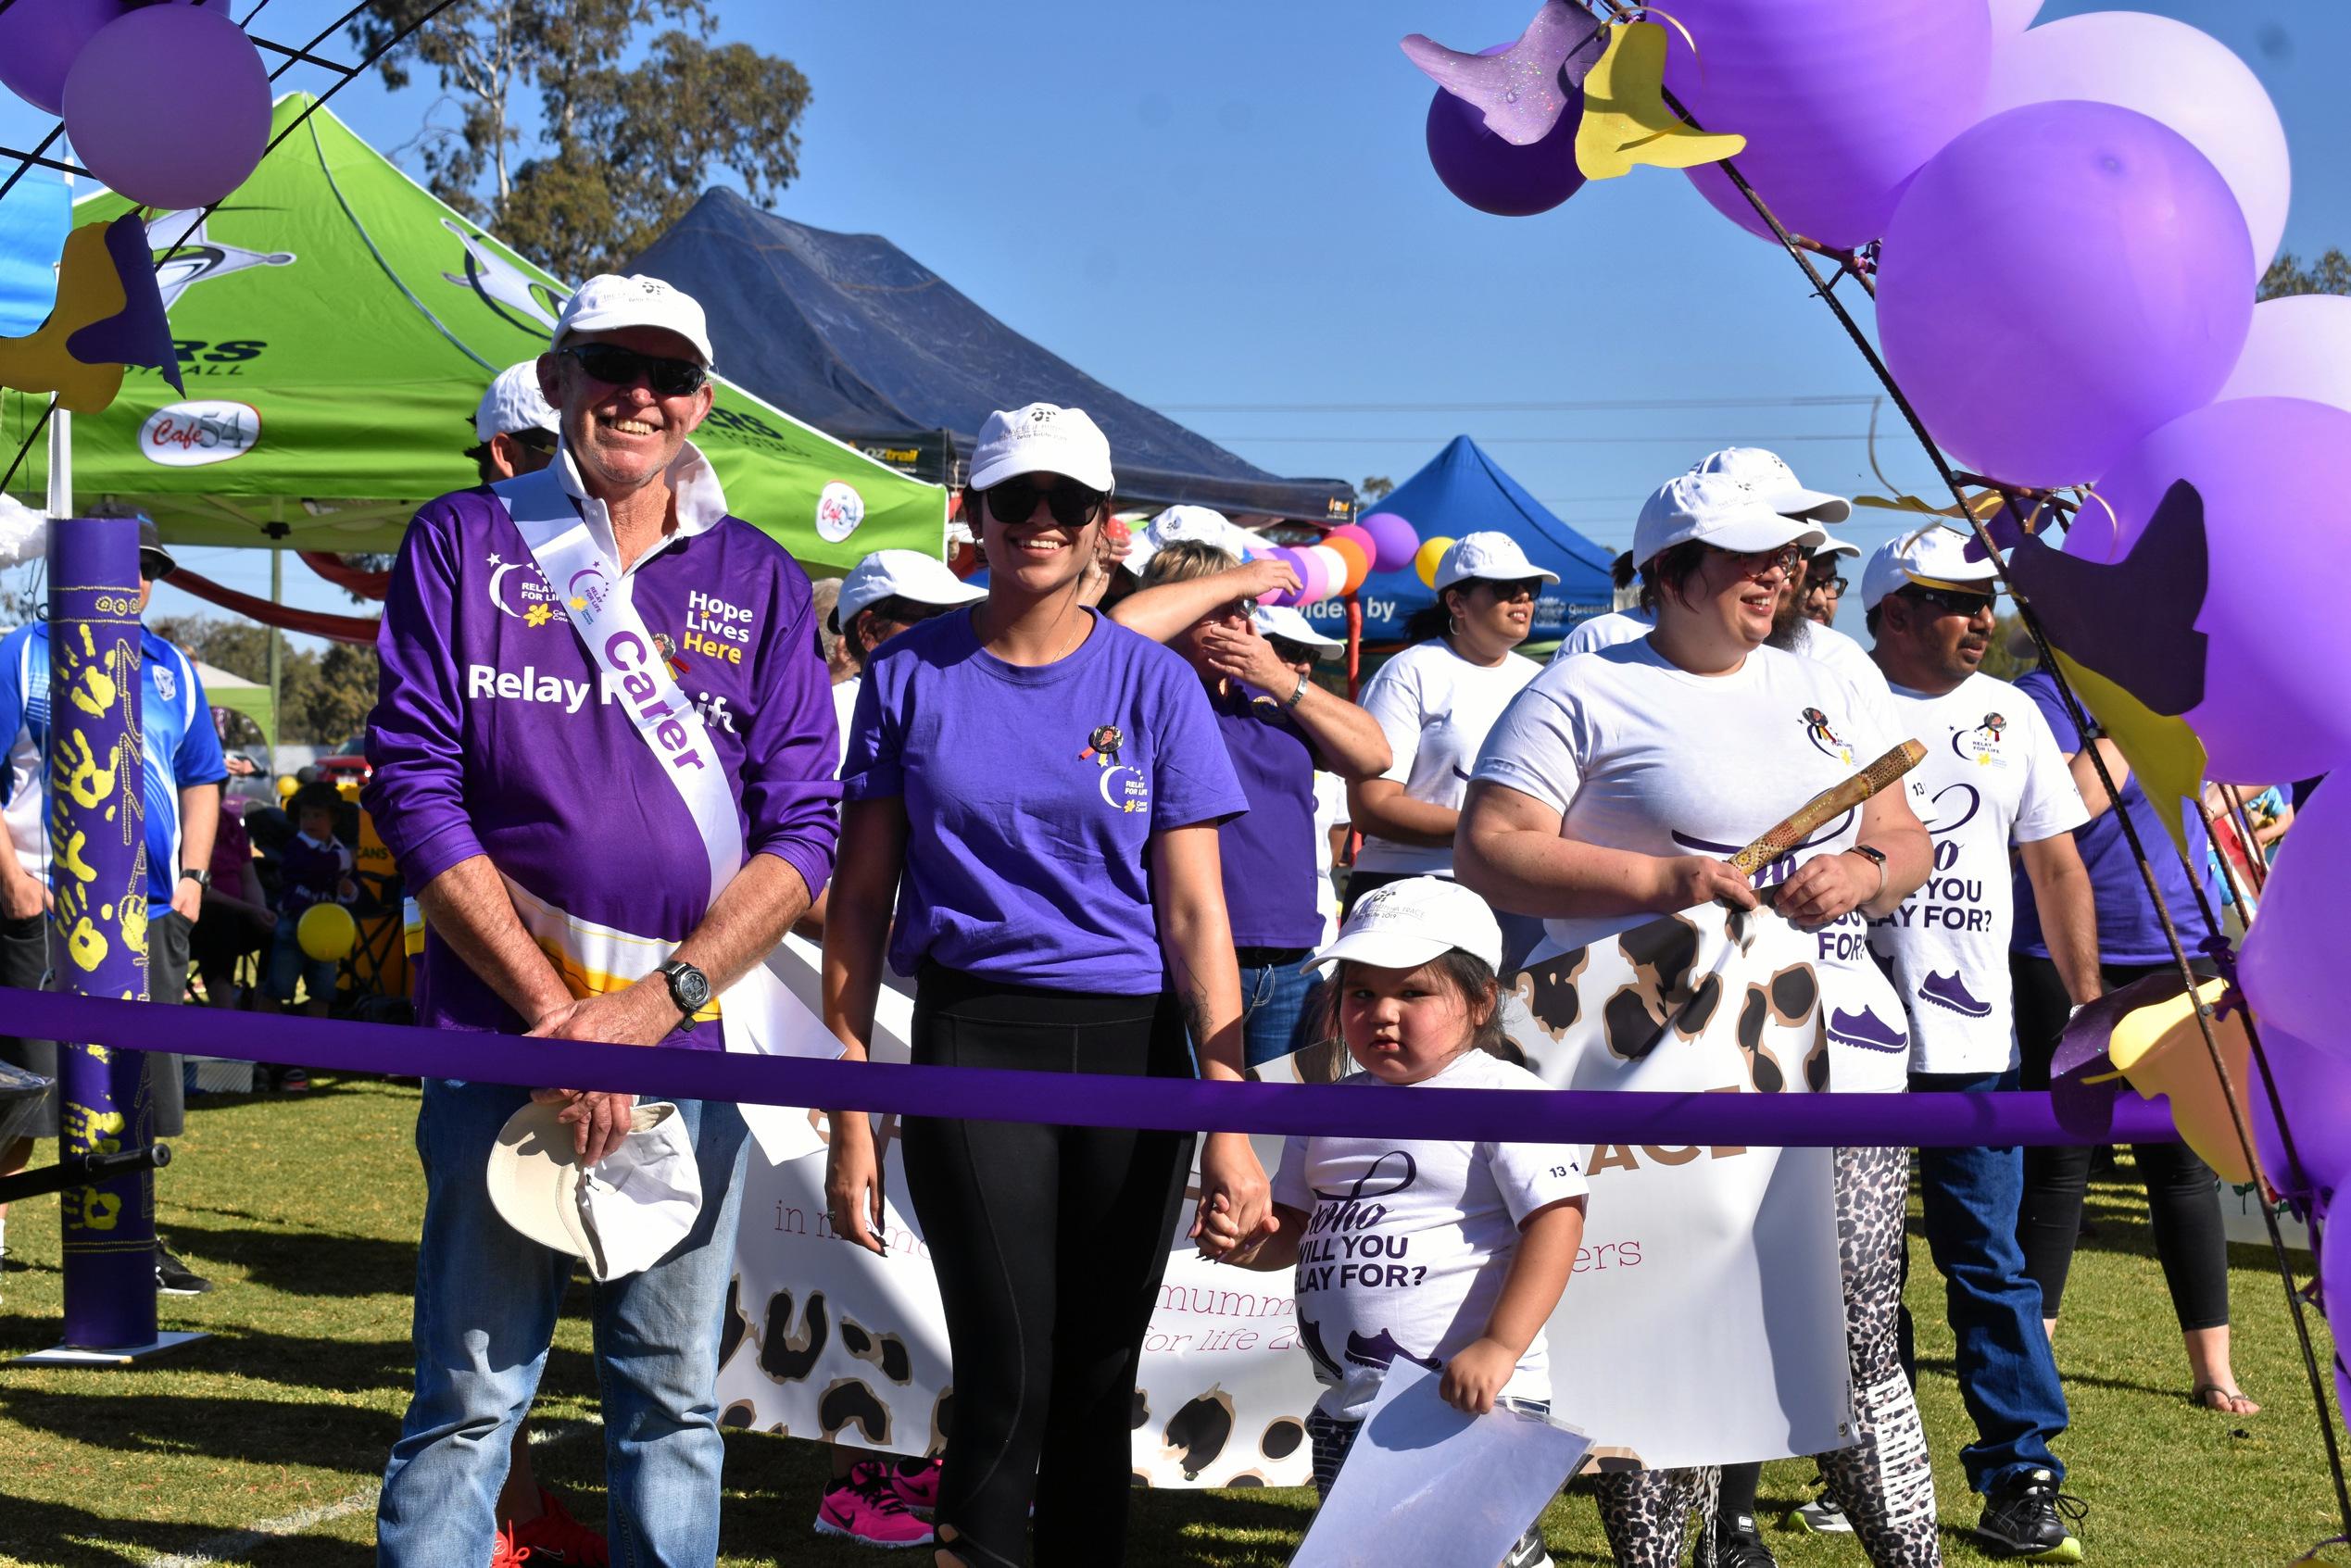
(1826, 804)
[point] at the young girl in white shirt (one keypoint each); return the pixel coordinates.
(1450, 1255)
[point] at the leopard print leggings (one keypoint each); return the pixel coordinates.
(1882, 1480)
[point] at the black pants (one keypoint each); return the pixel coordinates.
(24, 960)
(2183, 1196)
(1048, 1243)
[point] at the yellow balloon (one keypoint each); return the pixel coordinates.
(347, 788)
(1432, 552)
(287, 784)
(326, 932)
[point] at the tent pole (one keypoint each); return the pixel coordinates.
(1354, 646)
(60, 503)
(277, 595)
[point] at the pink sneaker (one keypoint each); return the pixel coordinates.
(916, 1481)
(865, 1505)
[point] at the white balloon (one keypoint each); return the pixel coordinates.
(2299, 346)
(2012, 17)
(2170, 72)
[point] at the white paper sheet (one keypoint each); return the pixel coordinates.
(1426, 1483)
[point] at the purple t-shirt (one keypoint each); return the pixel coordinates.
(1268, 850)
(1033, 794)
(310, 873)
(2128, 931)
(492, 733)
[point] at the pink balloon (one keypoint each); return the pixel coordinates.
(169, 106)
(1394, 541)
(2292, 965)
(1840, 104)
(1358, 532)
(2274, 474)
(39, 40)
(2041, 365)
(1331, 567)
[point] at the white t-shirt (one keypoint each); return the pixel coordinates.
(1434, 707)
(1330, 812)
(1635, 753)
(1407, 1244)
(1996, 778)
(1604, 631)
(844, 709)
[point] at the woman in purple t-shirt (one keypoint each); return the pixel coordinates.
(1040, 789)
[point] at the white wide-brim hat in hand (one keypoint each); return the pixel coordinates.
(619, 1217)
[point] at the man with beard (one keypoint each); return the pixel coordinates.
(1997, 779)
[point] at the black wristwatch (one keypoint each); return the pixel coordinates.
(201, 878)
(689, 989)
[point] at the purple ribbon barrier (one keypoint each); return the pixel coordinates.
(1800, 1120)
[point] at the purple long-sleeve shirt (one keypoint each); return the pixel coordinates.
(490, 733)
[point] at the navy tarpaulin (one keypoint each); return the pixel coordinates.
(1463, 491)
(861, 340)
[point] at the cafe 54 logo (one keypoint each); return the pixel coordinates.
(1980, 745)
(199, 432)
(1125, 788)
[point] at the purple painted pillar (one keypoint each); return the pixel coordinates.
(98, 931)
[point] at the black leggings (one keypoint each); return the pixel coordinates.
(1048, 1243)
(2183, 1196)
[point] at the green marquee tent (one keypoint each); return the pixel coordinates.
(336, 325)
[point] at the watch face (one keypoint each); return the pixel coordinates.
(690, 987)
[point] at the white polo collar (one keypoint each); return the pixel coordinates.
(701, 502)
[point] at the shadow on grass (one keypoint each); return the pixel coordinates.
(322, 1434)
(308, 1263)
(59, 1535)
(1947, 1367)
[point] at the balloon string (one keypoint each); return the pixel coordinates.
(1850, 264)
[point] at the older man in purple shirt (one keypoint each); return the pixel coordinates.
(603, 755)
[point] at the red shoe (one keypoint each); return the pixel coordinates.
(864, 1506)
(504, 1554)
(556, 1537)
(916, 1483)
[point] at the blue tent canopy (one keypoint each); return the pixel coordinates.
(1462, 490)
(852, 334)
(33, 220)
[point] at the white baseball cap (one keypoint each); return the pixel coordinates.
(1291, 626)
(1194, 525)
(514, 403)
(1717, 511)
(621, 1216)
(1042, 438)
(1932, 556)
(1491, 556)
(1769, 477)
(609, 302)
(1836, 547)
(1405, 925)
(904, 574)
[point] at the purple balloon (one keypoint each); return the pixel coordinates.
(1840, 104)
(1490, 173)
(2274, 475)
(2315, 1087)
(1289, 557)
(39, 40)
(1394, 541)
(169, 106)
(2291, 966)
(2335, 1283)
(2040, 364)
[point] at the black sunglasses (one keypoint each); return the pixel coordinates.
(1834, 586)
(534, 440)
(1015, 501)
(1952, 599)
(1521, 588)
(1291, 653)
(615, 366)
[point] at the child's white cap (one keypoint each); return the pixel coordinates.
(1405, 925)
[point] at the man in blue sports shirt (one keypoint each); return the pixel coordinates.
(184, 772)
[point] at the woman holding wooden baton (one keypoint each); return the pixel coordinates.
(1062, 909)
(1623, 782)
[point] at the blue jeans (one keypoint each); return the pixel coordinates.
(1273, 1011)
(2007, 1373)
(289, 963)
(485, 1308)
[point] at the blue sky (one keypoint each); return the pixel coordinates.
(1225, 211)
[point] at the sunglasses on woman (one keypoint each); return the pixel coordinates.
(1508, 593)
(1291, 653)
(1072, 505)
(1788, 560)
(615, 366)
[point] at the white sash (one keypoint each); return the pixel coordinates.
(759, 1014)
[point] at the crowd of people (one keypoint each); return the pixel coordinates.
(1087, 814)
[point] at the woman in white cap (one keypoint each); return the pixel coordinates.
(1435, 701)
(1279, 728)
(1591, 793)
(1062, 910)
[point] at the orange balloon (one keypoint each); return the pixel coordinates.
(1358, 563)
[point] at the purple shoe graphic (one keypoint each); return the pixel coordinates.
(1864, 1032)
(1952, 993)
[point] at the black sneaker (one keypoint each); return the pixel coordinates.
(174, 1278)
(1739, 1544)
(2025, 1515)
(1824, 1515)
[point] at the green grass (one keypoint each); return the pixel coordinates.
(304, 1212)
